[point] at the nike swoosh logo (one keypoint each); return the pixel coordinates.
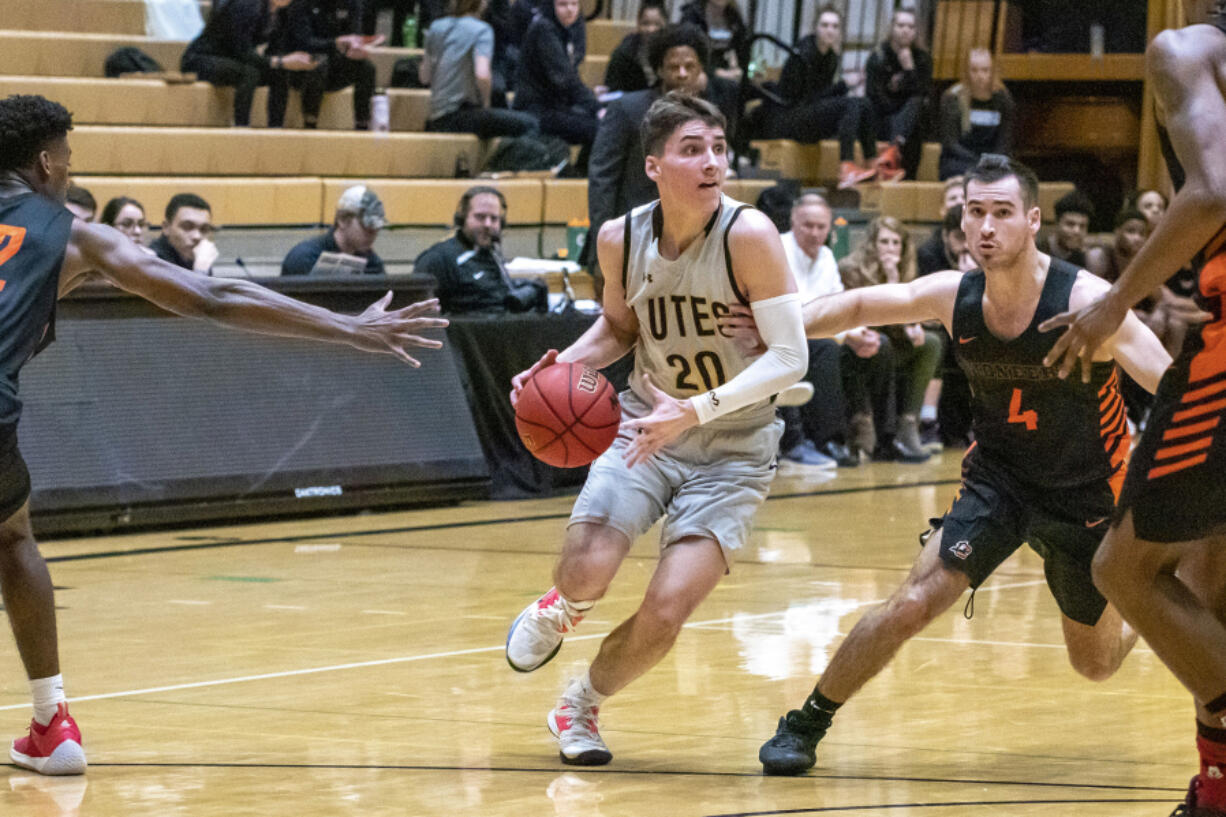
(965, 341)
(1096, 522)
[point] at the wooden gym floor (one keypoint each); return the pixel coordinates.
(353, 666)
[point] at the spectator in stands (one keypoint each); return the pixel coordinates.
(1109, 262)
(358, 220)
(899, 77)
(954, 251)
(722, 22)
(81, 203)
(468, 266)
(401, 9)
(549, 86)
(617, 180)
(630, 67)
(126, 215)
(187, 234)
(328, 30)
(1067, 241)
(1151, 203)
(457, 67)
(227, 54)
(820, 106)
(977, 116)
(887, 257)
(932, 255)
(815, 433)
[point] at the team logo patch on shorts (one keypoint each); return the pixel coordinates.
(962, 549)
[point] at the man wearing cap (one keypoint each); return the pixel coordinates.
(359, 217)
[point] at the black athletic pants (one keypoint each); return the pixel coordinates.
(333, 73)
(244, 77)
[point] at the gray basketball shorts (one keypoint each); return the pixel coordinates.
(709, 483)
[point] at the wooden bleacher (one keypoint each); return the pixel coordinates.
(818, 162)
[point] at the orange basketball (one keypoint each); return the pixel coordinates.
(567, 415)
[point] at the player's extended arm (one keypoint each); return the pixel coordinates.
(1184, 67)
(242, 304)
(924, 299)
(617, 328)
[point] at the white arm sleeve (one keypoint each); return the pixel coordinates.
(786, 360)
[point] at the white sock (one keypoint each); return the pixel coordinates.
(928, 413)
(581, 691)
(576, 607)
(48, 694)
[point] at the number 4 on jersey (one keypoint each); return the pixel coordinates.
(1016, 415)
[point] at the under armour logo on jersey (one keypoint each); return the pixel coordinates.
(650, 280)
(962, 550)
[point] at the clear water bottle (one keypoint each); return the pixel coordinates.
(380, 112)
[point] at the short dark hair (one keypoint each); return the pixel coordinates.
(670, 112)
(1129, 214)
(992, 167)
(466, 201)
(658, 5)
(670, 37)
(180, 200)
(1074, 202)
(81, 197)
(111, 211)
(28, 124)
(827, 8)
(953, 219)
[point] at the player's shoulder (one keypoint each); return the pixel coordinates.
(750, 225)
(1087, 288)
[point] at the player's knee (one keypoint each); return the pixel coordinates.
(1095, 665)
(911, 610)
(661, 619)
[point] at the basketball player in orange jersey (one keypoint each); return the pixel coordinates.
(1172, 513)
(1048, 458)
(699, 436)
(45, 253)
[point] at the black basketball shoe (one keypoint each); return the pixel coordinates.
(1188, 807)
(793, 749)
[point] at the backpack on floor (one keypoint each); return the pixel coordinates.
(130, 60)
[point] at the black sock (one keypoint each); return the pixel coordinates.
(1211, 733)
(820, 708)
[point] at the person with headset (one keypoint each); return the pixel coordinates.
(469, 267)
(359, 218)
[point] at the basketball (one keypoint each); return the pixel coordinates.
(567, 415)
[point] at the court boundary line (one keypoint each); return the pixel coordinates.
(110, 554)
(949, 804)
(613, 771)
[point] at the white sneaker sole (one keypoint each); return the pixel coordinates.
(538, 664)
(588, 757)
(68, 758)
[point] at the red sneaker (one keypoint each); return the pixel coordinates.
(51, 749)
(851, 174)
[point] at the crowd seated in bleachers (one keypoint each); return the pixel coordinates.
(127, 215)
(977, 116)
(548, 85)
(898, 75)
(355, 227)
(81, 203)
(458, 68)
(724, 25)
(1067, 241)
(187, 234)
(885, 392)
(630, 67)
(328, 31)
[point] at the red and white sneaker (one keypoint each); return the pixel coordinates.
(52, 749)
(578, 732)
(536, 635)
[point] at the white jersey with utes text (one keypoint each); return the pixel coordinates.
(678, 305)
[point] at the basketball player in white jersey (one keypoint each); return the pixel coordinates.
(699, 434)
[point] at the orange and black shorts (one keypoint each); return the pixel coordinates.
(1176, 483)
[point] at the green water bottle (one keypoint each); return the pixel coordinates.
(841, 243)
(409, 31)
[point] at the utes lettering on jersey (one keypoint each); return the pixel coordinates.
(688, 314)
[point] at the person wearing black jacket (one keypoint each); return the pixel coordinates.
(617, 179)
(225, 53)
(818, 105)
(328, 31)
(899, 75)
(725, 28)
(549, 85)
(630, 66)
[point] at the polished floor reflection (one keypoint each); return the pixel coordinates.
(353, 666)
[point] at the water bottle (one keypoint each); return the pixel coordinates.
(1097, 40)
(380, 112)
(841, 245)
(576, 236)
(409, 31)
